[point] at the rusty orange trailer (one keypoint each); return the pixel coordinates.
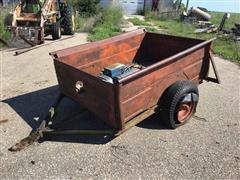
(166, 59)
(172, 68)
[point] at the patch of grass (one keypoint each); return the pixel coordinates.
(151, 29)
(174, 26)
(103, 31)
(108, 26)
(226, 48)
(229, 23)
(143, 24)
(138, 22)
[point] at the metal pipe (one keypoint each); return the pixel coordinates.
(38, 46)
(201, 13)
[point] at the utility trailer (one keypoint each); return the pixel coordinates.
(171, 69)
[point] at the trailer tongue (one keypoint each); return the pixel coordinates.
(127, 78)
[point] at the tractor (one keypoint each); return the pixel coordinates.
(32, 20)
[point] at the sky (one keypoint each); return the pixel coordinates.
(216, 5)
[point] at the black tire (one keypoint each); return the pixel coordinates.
(68, 22)
(181, 94)
(56, 31)
(8, 20)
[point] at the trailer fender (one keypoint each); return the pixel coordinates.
(168, 81)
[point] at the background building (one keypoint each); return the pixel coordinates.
(139, 6)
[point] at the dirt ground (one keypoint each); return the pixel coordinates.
(205, 148)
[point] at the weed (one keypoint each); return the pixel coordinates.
(108, 26)
(86, 24)
(4, 34)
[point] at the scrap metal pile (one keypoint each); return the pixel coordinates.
(201, 18)
(234, 32)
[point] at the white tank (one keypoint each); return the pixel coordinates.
(201, 13)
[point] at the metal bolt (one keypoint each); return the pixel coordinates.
(79, 86)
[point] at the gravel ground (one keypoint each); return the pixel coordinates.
(206, 148)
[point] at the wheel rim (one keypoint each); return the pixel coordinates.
(185, 110)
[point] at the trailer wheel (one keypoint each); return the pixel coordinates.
(56, 31)
(68, 22)
(179, 103)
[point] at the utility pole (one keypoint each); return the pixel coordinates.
(179, 5)
(187, 5)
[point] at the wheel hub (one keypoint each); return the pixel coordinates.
(185, 110)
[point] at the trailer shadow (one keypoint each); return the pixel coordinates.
(33, 107)
(152, 122)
